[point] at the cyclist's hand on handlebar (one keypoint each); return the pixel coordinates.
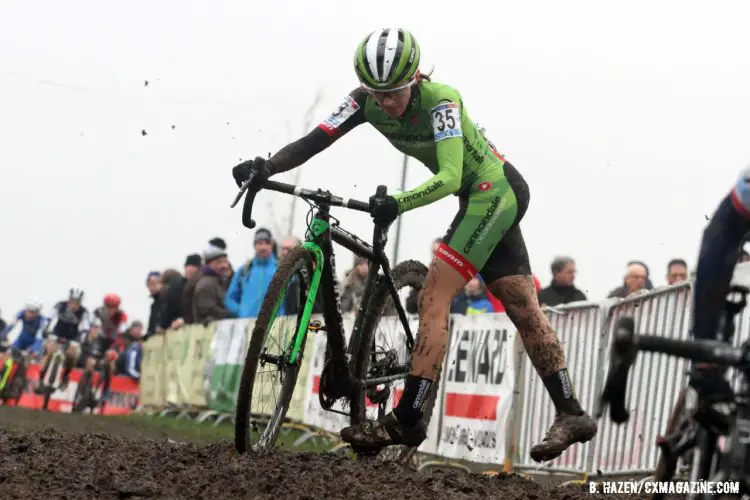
(383, 210)
(257, 167)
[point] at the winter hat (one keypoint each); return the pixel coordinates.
(212, 253)
(263, 234)
(193, 260)
(218, 242)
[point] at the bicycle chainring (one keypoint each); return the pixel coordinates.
(332, 385)
(379, 368)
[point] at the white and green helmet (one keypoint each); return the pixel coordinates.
(387, 59)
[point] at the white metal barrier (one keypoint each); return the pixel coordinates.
(493, 406)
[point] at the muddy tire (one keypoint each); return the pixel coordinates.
(298, 262)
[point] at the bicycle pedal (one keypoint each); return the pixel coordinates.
(316, 326)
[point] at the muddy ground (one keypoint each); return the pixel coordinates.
(49, 455)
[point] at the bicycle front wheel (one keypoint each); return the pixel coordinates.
(261, 409)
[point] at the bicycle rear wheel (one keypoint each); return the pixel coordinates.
(382, 349)
(256, 424)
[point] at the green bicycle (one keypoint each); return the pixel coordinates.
(365, 369)
(13, 377)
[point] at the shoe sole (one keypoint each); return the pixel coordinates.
(552, 456)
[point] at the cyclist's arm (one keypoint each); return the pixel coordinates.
(83, 327)
(9, 328)
(446, 124)
(42, 326)
(52, 323)
(133, 364)
(348, 115)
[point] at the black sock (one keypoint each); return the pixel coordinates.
(410, 407)
(560, 389)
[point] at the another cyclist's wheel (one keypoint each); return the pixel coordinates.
(698, 462)
(50, 378)
(383, 349)
(102, 386)
(268, 377)
(83, 395)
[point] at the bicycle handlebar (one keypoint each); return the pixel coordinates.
(625, 347)
(318, 196)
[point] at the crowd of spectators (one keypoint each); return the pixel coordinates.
(210, 289)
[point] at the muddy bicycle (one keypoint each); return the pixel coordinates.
(691, 448)
(13, 378)
(51, 380)
(360, 373)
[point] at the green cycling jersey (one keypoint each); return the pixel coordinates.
(436, 130)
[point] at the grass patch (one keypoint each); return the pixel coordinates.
(206, 432)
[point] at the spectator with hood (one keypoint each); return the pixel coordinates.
(250, 283)
(208, 303)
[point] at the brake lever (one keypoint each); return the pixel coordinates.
(622, 356)
(243, 188)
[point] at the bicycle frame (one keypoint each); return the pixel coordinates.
(318, 240)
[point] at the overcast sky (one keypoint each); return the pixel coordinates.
(629, 121)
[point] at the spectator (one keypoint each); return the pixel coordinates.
(472, 299)
(208, 303)
(229, 271)
(355, 285)
(250, 283)
(287, 244)
(413, 298)
(635, 280)
(561, 290)
(193, 265)
(649, 284)
(154, 285)
(128, 363)
(171, 297)
(677, 271)
(3, 324)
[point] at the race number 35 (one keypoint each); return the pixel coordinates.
(446, 121)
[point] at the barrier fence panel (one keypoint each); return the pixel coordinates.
(228, 349)
(477, 388)
(654, 382)
(578, 328)
(152, 373)
(491, 401)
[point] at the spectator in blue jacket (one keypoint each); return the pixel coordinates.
(472, 299)
(250, 282)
